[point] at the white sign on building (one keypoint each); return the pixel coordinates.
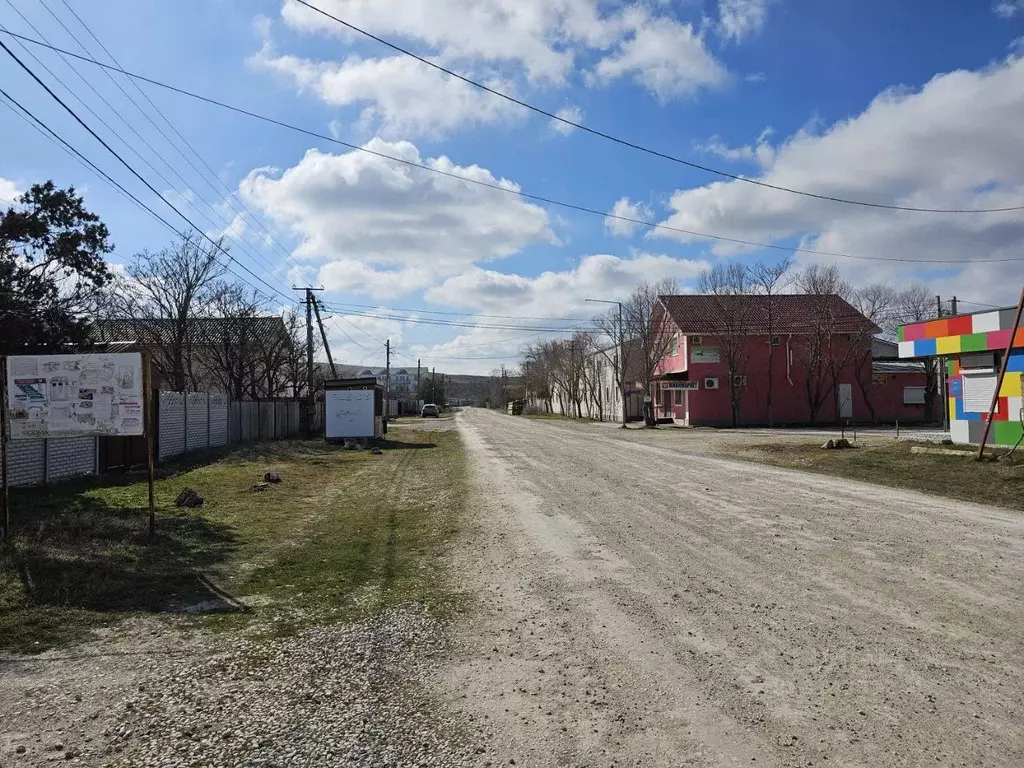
(349, 413)
(74, 395)
(704, 355)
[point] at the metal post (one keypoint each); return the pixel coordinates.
(3, 453)
(387, 379)
(1002, 373)
(147, 405)
(309, 361)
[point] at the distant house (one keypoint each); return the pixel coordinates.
(603, 399)
(817, 352)
(246, 358)
(403, 383)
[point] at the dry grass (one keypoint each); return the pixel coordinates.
(893, 464)
(344, 534)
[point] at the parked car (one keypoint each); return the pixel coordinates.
(430, 410)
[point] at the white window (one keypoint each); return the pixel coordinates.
(978, 389)
(675, 345)
(913, 395)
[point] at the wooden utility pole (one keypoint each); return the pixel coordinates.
(150, 431)
(418, 380)
(1002, 373)
(3, 453)
(433, 384)
(387, 380)
(307, 421)
(323, 335)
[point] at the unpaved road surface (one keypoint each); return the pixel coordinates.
(644, 606)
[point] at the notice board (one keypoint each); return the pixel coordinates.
(349, 413)
(74, 395)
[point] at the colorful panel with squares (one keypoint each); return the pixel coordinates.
(980, 332)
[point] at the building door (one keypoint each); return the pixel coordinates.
(845, 398)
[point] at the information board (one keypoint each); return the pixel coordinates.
(74, 395)
(349, 413)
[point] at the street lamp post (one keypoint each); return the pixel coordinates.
(618, 351)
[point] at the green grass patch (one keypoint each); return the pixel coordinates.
(997, 482)
(346, 534)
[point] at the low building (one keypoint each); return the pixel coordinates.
(973, 347)
(816, 354)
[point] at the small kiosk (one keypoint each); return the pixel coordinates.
(354, 410)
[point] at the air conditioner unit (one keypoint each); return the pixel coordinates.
(697, 341)
(711, 383)
(739, 380)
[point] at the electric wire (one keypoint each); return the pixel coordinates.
(634, 145)
(514, 191)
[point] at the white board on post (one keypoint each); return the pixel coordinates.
(74, 395)
(349, 413)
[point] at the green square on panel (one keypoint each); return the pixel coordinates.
(899, 333)
(973, 342)
(1006, 432)
(951, 367)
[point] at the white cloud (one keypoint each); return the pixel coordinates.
(373, 216)
(1008, 8)
(738, 19)
(9, 190)
(598, 276)
(574, 114)
(761, 151)
(400, 96)
(952, 144)
(623, 207)
(666, 56)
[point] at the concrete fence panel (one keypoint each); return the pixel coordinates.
(218, 414)
(197, 424)
(171, 424)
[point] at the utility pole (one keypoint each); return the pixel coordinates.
(418, 390)
(954, 306)
(323, 335)
(387, 380)
(433, 384)
(307, 422)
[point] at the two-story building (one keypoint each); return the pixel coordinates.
(786, 359)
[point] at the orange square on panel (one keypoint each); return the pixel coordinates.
(937, 329)
(1018, 338)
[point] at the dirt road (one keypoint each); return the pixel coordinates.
(647, 607)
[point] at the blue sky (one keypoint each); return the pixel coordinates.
(866, 100)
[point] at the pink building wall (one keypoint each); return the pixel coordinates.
(790, 406)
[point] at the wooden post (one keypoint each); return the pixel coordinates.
(3, 453)
(1002, 374)
(147, 405)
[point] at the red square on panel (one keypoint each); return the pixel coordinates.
(914, 332)
(960, 326)
(997, 339)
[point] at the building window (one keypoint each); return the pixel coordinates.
(675, 345)
(679, 397)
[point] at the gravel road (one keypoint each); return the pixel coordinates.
(646, 606)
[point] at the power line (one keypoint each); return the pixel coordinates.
(120, 187)
(461, 324)
(458, 314)
(135, 173)
(210, 172)
(223, 221)
(640, 147)
(507, 190)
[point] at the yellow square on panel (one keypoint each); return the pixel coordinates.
(947, 345)
(952, 409)
(1011, 386)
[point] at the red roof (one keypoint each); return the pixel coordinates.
(791, 313)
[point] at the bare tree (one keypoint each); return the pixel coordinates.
(820, 284)
(769, 279)
(915, 304)
(537, 375)
(876, 302)
(294, 366)
(231, 340)
(646, 322)
(163, 294)
(729, 321)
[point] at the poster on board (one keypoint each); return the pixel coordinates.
(349, 413)
(74, 395)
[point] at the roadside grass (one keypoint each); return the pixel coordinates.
(556, 417)
(1000, 483)
(344, 535)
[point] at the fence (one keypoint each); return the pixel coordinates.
(185, 422)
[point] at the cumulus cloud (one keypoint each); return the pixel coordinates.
(388, 227)
(761, 151)
(951, 144)
(738, 19)
(8, 190)
(667, 57)
(1008, 8)
(503, 42)
(574, 114)
(628, 210)
(399, 95)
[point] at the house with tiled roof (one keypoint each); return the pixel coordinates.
(784, 359)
